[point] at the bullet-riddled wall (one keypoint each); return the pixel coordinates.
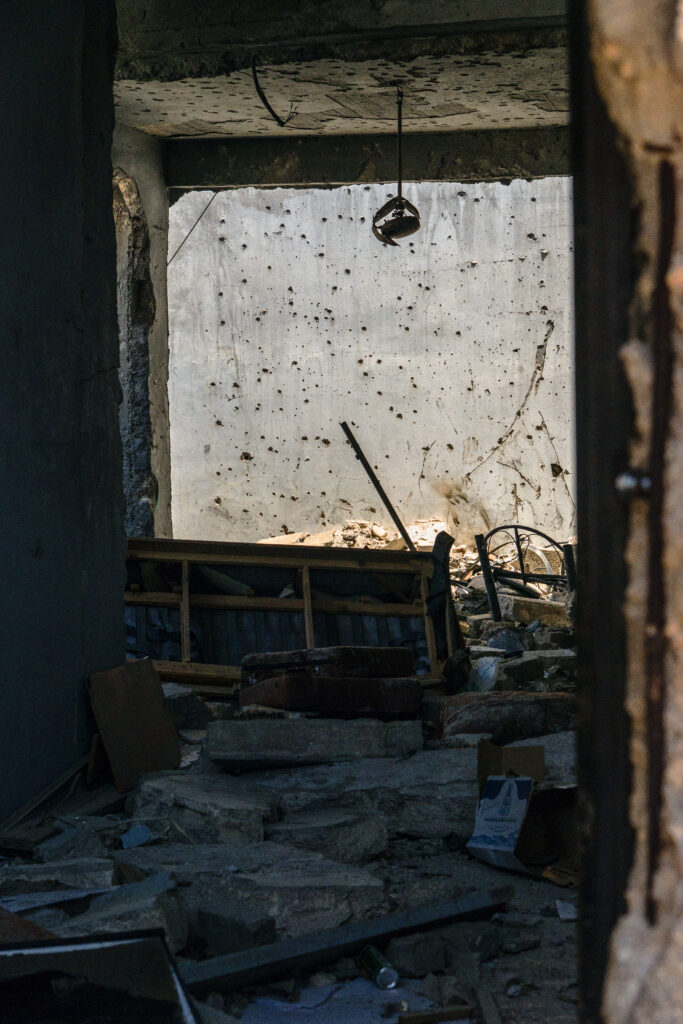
(450, 356)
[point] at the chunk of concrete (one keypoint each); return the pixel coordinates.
(228, 926)
(510, 715)
(261, 742)
(419, 954)
(522, 668)
(88, 873)
(528, 609)
(203, 807)
(187, 710)
(341, 835)
(430, 794)
(300, 889)
(146, 904)
(564, 658)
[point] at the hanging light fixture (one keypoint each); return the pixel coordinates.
(398, 218)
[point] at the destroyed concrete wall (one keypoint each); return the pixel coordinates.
(143, 327)
(449, 356)
(60, 468)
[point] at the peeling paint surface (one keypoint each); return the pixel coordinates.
(449, 356)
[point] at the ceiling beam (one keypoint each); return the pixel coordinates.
(330, 160)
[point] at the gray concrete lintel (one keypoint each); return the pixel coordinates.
(340, 160)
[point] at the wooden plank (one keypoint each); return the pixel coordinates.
(185, 643)
(251, 966)
(429, 629)
(308, 608)
(179, 671)
(277, 555)
(331, 605)
(137, 732)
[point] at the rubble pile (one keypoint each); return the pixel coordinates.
(282, 824)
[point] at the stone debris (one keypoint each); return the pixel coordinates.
(199, 808)
(146, 904)
(227, 926)
(300, 889)
(289, 823)
(187, 710)
(88, 873)
(343, 835)
(510, 715)
(261, 743)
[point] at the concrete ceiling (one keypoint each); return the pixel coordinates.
(513, 89)
(184, 66)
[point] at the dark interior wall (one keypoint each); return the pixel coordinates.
(61, 504)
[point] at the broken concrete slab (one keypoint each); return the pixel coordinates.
(522, 668)
(259, 743)
(527, 610)
(432, 793)
(300, 889)
(80, 840)
(203, 808)
(564, 658)
(419, 954)
(342, 835)
(147, 904)
(187, 710)
(509, 716)
(88, 873)
(228, 926)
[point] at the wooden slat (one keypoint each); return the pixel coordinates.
(179, 671)
(429, 630)
(308, 608)
(185, 614)
(276, 555)
(332, 606)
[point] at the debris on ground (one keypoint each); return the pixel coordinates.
(335, 790)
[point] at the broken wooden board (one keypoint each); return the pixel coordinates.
(252, 966)
(360, 662)
(508, 715)
(136, 729)
(337, 696)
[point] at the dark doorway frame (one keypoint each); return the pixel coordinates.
(604, 273)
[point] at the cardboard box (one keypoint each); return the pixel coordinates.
(517, 827)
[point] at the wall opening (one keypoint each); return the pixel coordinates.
(450, 356)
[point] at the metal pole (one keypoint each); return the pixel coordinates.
(377, 485)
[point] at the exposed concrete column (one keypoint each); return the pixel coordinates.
(140, 158)
(61, 514)
(637, 50)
